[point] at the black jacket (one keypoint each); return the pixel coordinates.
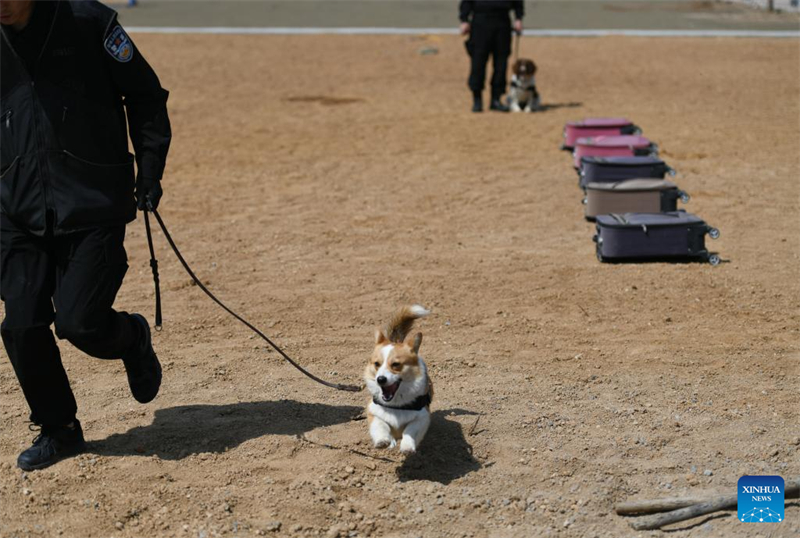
(66, 83)
(491, 8)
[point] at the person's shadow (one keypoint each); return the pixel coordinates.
(177, 432)
(544, 107)
(444, 455)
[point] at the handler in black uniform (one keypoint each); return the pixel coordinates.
(68, 76)
(489, 27)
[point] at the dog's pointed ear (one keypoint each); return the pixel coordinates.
(413, 341)
(380, 338)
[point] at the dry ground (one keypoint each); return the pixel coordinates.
(317, 183)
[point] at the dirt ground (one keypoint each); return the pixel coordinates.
(318, 183)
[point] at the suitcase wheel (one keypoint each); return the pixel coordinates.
(584, 201)
(713, 233)
(685, 197)
(672, 172)
(713, 259)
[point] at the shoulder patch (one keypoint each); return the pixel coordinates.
(119, 45)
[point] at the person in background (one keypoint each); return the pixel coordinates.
(73, 88)
(489, 28)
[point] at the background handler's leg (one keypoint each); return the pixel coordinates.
(501, 49)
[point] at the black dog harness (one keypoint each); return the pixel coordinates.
(420, 403)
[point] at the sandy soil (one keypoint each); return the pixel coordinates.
(318, 183)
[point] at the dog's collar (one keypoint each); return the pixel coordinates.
(516, 84)
(419, 403)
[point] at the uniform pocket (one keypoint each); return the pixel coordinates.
(21, 194)
(6, 134)
(87, 193)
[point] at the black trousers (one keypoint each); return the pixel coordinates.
(489, 36)
(71, 280)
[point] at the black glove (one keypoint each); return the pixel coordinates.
(148, 190)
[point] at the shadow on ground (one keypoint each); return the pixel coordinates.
(178, 432)
(444, 454)
(555, 106)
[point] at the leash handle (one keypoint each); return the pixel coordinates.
(337, 386)
(518, 36)
(153, 266)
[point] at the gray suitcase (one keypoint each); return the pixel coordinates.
(673, 236)
(632, 196)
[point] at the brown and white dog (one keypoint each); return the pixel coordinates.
(397, 378)
(522, 95)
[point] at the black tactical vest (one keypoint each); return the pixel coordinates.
(63, 133)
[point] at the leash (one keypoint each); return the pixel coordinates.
(154, 266)
(516, 45)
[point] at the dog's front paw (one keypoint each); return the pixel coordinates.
(384, 443)
(515, 107)
(408, 446)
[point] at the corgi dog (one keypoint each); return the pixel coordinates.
(523, 94)
(398, 381)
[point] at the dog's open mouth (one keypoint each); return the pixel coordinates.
(389, 391)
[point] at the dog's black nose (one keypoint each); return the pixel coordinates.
(381, 380)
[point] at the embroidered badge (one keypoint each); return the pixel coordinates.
(119, 45)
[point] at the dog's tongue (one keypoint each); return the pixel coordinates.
(389, 391)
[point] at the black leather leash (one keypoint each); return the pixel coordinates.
(154, 266)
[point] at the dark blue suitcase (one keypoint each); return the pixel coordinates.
(613, 169)
(672, 236)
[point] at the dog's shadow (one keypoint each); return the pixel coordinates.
(178, 432)
(444, 455)
(544, 107)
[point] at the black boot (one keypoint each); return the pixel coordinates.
(477, 102)
(497, 105)
(53, 444)
(142, 366)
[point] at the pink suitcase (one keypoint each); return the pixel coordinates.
(574, 130)
(612, 146)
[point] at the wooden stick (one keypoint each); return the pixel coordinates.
(656, 505)
(723, 502)
(715, 504)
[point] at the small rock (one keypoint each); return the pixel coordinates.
(425, 51)
(349, 469)
(273, 526)
(708, 472)
(119, 525)
(334, 532)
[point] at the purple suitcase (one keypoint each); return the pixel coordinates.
(574, 130)
(674, 236)
(613, 169)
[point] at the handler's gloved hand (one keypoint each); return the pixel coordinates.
(147, 189)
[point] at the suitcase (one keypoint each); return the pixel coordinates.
(673, 236)
(612, 146)
(574, 130)
(632, 196)
(613, 169)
